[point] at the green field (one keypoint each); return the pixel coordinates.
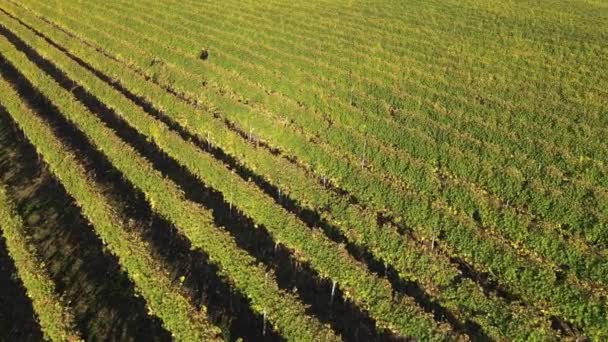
(310, 171)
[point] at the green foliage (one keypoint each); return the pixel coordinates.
(194, 222)
(185, 322)
(474, 129)
(412, 261)
(327, 257)
(55, 318)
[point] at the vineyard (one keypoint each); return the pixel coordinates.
(308, 171)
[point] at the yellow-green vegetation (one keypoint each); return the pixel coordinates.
(54, 316)
(442, 164)
(167, 199)
(185, 322)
